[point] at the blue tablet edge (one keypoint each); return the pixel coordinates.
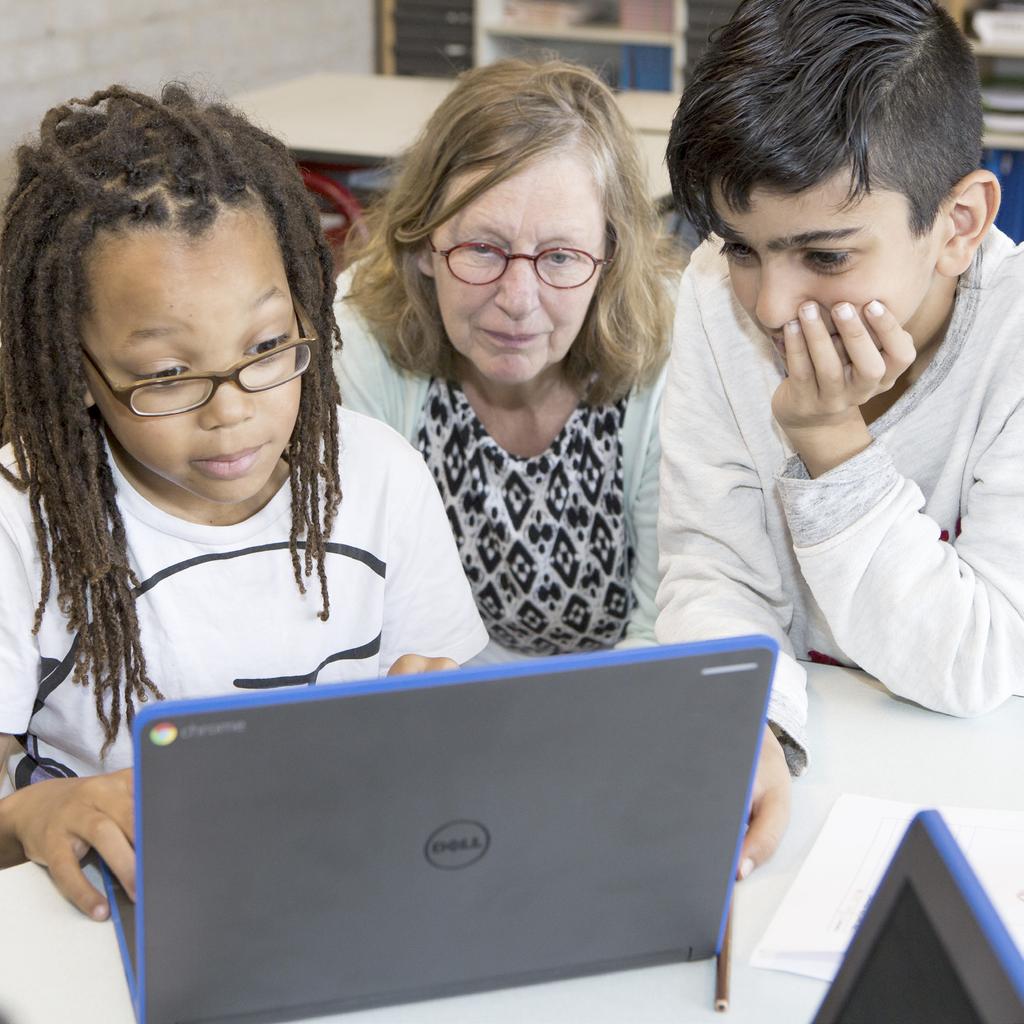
(985, 913)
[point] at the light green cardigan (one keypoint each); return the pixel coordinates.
(372, 384)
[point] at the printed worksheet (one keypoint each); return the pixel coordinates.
(815, 922)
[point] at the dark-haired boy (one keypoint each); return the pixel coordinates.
(843, 424)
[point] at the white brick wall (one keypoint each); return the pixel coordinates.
(51, 50)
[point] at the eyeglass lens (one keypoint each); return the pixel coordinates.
(178, 396)
(481, 264)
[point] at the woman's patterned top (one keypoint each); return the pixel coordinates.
(543, 539)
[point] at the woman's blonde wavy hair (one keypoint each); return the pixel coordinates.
(498, 119)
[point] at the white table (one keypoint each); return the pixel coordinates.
(58, 966)
(332, 117)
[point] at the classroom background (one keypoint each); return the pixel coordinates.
(53, 49)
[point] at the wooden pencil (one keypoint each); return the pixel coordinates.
(722, 966)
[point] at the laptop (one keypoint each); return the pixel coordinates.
(931, 948)
(312, 850)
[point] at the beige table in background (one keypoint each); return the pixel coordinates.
(59, 967)
(369, 119)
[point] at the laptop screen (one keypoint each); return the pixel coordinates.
(318, 849)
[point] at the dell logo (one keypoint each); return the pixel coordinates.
(457, 845)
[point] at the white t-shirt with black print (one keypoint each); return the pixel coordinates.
(219, 609)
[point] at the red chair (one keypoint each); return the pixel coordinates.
(341, 211)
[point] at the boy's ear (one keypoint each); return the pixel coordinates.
(968, 214)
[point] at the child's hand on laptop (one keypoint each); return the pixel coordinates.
(59, 820)
(836, 360)
(410, 664)
(769, 807)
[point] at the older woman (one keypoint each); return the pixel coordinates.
(510, 315)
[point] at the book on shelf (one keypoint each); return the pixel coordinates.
(645, 67)
(1005, 95)
(1008, 166)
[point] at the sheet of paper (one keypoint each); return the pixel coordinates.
(814, 923)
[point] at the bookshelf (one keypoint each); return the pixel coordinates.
(627, 57)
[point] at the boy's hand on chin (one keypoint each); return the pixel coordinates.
(410, 664)
(830, 378)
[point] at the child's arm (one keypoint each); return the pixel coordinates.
(56, 822)
(719, 574)
(429, 610)
(938, 619)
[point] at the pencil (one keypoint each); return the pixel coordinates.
(722, 964)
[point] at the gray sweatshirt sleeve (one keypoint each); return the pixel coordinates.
(719, 572)
(937, 620)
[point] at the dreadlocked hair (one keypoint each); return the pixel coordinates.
(117, 161)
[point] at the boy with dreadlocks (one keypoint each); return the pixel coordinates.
(172, 470)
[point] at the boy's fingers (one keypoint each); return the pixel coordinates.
(828, 367)
(71, 882)
(768, 820)
(92, 813)
(798, 361)
(865, 358)
(115, 847)
(122, 807)
(769, 811)
(409, 664)
(897, 346)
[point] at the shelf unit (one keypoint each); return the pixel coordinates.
(432, 38)
(605, 46)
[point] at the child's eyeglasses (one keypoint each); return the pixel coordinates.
(187, 391)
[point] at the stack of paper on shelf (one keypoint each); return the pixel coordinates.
(1003, 104)
(1003, 25)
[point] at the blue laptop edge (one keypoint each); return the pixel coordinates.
(153, 713)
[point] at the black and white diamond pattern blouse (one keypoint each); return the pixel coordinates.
(543, 539)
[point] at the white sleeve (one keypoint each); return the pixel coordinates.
(719, 575)
(428, 605)
(643, 516)
(941, 623)
(19, 654)
(370, 383)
